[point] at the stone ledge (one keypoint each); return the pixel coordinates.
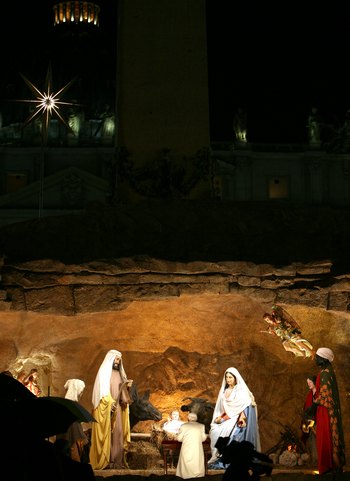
(110, 286)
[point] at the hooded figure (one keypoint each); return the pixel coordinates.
(235, 414)
(110, 435)
(74, 389)
(75, 437)
(329, 428)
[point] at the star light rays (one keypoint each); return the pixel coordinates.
(47, 103)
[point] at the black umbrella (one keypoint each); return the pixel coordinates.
(13, 390)
(76, 409)
(46, 416)
(42, 416)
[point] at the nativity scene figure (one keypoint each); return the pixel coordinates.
(281, 324)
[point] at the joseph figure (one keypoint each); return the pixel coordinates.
(110, 435)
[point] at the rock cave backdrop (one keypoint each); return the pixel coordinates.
(180, 289)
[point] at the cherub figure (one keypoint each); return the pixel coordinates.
(282, 325)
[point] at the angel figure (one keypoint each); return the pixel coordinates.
(282, 325)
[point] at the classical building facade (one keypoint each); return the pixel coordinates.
(288, 173)
(152, 139)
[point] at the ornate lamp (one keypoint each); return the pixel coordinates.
(77, 12)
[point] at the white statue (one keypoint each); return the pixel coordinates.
(313, 125)
(240, 125)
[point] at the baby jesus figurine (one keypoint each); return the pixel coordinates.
(172, 426)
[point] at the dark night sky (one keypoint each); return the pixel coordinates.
(34, 43)
(277, 60)
(274, 59)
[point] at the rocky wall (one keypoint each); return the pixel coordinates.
(179, 326)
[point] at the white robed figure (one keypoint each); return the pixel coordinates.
(191, 459)
(235, 415)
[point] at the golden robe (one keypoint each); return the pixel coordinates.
(110, 435)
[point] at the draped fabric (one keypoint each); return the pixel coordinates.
(329, 427)
(120, 427)
(74, 389)
(240, 400)
(101, 434)
(173, 426)
(307, 403)
(309, 399)
(309, 438)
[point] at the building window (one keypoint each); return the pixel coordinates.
(16, 181)
(278, 187)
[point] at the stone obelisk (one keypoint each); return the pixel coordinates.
(162, 80)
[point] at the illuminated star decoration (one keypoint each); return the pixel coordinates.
(47, 103)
